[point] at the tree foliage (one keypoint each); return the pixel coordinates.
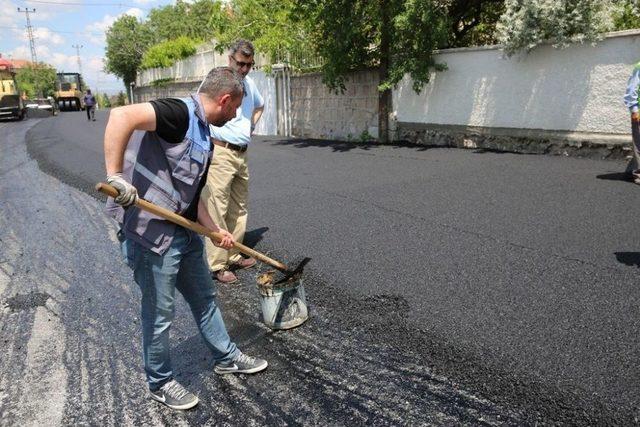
(103, 100)
(526, 24)
(197, 20)
(626, 14)
(165, 54)
(472, 22)
(398, 35)
(36, 80)
(127, 40)
(270, 25)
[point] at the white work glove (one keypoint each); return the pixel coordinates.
(127, 193)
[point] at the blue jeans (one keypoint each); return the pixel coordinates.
(182, 267)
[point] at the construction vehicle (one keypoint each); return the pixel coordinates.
(68, 93)
(11, 105)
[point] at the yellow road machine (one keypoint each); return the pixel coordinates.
(68, 93)
(11, 105)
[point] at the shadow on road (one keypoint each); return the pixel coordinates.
(253, 237)
(616, 176)
(344, 146)
(628, 258)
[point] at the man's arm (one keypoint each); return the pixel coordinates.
(205, 220)
(122, 122)
(257, 113)
(631, 95)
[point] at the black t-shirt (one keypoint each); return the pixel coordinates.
(172, 123)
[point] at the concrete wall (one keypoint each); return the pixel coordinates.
(189, 69)
(265, 83)
(563, 101)
(577, 89)
(319, 113)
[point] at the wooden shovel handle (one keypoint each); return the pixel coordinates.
(182, 221)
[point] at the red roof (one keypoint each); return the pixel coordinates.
(5, 64)
(20, 63)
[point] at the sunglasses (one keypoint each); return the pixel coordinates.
(243, 64)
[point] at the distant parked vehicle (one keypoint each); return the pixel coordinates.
(31, 103)
(45, 104)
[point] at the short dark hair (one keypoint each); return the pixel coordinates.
(243, 46)
(220, 81)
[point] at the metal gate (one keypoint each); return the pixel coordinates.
(282, 76)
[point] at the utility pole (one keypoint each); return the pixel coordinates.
(32, 43)
(77, 47)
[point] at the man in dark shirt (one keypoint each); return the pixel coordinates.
(172, 122)
(169, 163)
(90, 105)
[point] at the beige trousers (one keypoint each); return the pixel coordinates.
(226, 193)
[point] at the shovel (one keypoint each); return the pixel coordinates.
(290, 275)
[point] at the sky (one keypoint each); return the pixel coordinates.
(60, 24)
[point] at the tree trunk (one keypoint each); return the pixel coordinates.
(384, 97)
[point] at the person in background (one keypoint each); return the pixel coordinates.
(227, 189)
(631, 101)
(162, 150)
(90, 105)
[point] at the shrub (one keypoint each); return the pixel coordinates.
(165, 54)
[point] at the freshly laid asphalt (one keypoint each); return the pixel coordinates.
(510, 280)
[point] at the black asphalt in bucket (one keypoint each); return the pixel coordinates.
(284, 304)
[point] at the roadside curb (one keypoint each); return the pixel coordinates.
(524, 141)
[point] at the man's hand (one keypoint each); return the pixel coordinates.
(227, 240)
(635, 116)
(127, 193)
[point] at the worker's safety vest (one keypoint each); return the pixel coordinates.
(165, 174)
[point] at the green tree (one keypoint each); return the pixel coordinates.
(195, 20)
(397, 36)
(526, 24)
(121, 99)
(167, 53)
(472, 22)
(36, 80)
(127, 40)
(626, 15)
(104, 101)
(272, 26)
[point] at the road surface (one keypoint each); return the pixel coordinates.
(447, 286)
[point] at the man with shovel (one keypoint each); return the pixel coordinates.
(161, 149)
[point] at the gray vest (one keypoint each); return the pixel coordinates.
(165, 174)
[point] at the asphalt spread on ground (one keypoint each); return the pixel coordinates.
(391, 338)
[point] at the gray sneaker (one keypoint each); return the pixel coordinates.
(174, 396)
(242, 364)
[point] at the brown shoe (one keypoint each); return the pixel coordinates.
(244, 263)
(225, 276)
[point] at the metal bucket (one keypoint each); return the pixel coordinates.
(283, 307)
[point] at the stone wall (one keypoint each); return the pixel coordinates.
(317, 112)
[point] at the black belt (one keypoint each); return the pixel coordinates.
(234, 147)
